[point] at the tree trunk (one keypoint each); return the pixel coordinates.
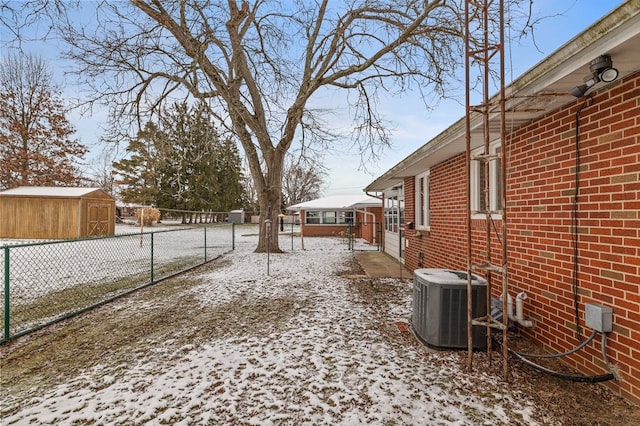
(269, 211)
(269, 199)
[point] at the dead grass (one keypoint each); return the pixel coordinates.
(573, 402)
(126, 332)
(31, 312)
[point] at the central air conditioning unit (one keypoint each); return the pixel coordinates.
(440, 308)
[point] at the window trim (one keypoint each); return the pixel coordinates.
(318, 217)
(329, 217)
(342, 217)
(424, 205)
(394, 210)
(495, 180)
(346, 217)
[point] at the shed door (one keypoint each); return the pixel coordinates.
(99, 217)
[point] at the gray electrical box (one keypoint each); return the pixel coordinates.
(440, 308)
(598, 317)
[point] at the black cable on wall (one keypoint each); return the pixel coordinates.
(574, 222)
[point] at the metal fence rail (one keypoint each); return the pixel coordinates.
(49, 281)
(364, 236)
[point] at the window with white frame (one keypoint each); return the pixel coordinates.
(394, 211)
(422, 201)
(479, 177)
(345, 216)
(329, 217)
(312, 217)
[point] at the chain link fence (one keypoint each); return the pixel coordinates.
(48, 281)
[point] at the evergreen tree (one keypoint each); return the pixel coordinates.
(192, 145)
(181, 163)
(140, 171)
(228, 172)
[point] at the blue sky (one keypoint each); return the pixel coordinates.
(413, 124)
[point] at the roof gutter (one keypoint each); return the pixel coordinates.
(571, 57)
(379, 197)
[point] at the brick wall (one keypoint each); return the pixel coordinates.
(444, 246)
(312, 230)
(541, 181)
(540, 193)
(368, 227)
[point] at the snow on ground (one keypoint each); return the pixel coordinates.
(38, 269)
(324, 362)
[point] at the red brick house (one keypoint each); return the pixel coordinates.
(336, 215)
(558, 145)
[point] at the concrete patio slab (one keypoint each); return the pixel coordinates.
(381, 265)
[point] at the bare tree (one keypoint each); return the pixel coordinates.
(35, 137)
(251, 202)
(100, 172)
(259, 64)
(301, 182)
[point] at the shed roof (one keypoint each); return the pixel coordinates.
(542, 89)
(338, 202)
(50, 191)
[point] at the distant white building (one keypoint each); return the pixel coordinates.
(337, 214)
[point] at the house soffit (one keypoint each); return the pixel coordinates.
(541, 90)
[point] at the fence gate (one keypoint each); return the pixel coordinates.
(364, 236)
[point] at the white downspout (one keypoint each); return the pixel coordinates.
(373, 221)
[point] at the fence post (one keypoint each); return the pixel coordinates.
(205, 243)
(349, 236)
(233, 235)
(7, 287)
(152, 277)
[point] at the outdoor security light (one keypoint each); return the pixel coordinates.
(601, 70)
(579, 91)
(609, 75)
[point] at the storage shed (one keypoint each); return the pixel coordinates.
(42, 212)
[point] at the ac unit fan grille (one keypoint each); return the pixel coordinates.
(440, 313)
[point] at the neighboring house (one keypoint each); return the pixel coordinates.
(340, 214)
(425, 198)
(43, 212)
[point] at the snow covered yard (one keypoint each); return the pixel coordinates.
(50, 279)
(39, 269)
(314, 342)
